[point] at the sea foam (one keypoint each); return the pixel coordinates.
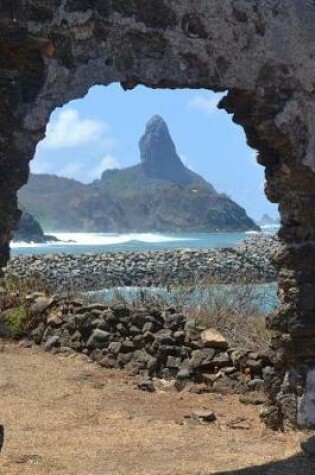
(100, 239)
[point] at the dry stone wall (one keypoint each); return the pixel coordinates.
(151, 342)
(261, 53)
(250, 261)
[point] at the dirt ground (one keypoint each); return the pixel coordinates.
(67, 416)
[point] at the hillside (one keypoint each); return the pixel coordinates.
(159, 194)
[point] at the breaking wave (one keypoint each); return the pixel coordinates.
(99, 239)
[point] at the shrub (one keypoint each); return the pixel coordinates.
(16, 319)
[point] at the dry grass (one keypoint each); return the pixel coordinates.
(63, 416)
(235, 310)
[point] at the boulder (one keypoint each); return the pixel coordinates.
(213, 339)
(109, 361)
(98, 339)
(146, 385)
(254, 398)
(204, 416)
(183, 373)
(40, 305)
(52, 342)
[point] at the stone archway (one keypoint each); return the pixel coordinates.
(261, 53)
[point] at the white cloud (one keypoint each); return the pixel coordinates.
(106, 163)
(70, 130)
(207, 105)
(83, 171)
(72, 170)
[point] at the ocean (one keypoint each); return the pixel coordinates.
(264, 296)
(77, 243)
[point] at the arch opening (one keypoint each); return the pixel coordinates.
(102, 131)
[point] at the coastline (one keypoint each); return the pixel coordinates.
(250, 260)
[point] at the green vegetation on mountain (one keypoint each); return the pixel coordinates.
(158, 195)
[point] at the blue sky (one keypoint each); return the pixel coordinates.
(102, 130)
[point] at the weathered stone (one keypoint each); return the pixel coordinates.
(51, 342)
(184, 373)
(134, 331)
(156, 312)
(98, 339)
(123, 359)
(308, 446)
(253, 398)
(179, 336)
(149, 328)
(127, 346)
(138, 341)
(40, 305)
(138, 318)
(213, 339)
(166, 338)
(201, 360)
(193, 330)
(114, 347)
(157, 322)
(110, 317)
(148, 336)
(109, 361)
(25, 344)
(54, 321)
(206, 416)
(152, 366)
(38, 333)
(255, 366)
(173, 362)
(122, 329)
(146, 385)
(121, 311)
(256, 385)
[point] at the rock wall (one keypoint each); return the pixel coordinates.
(261, 53)
(151, 342)
(250, 261)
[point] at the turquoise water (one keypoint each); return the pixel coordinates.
(262, 298)
(77, 243)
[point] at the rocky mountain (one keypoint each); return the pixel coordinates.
(159, 194)
(266, 220)
(29, 230)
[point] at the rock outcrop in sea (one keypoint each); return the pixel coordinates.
(29, 230)
(159, 194)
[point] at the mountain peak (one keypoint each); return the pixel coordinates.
(158, 153)
(155, 121)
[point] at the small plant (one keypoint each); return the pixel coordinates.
(16, 320)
